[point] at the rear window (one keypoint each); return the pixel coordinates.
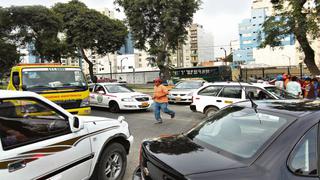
(238, 131)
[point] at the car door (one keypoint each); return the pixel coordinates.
(97, 96)
(229, 95)
(256, 93)
(37, 143)
(207, 96)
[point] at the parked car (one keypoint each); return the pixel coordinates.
(183, 91)
(117, 96)
(278, 139)
(212, 97)
(41, 140)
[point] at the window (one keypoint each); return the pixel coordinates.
(210, 91)
(16, 79)
(98, 89)
(231, 92)
(25, 121)
(256, 93)
(303, 159)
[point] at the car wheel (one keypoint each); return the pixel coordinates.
(211, 111)
(114, 107)
(112, 164)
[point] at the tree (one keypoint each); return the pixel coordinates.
(8, 56)
(158, 26)
(292, 18)
(36, 25)
(87, 29)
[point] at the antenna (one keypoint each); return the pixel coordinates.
(253, 104)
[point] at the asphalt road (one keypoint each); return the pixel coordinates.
(142, 126)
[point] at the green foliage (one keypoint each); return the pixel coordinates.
(157, 26)
(291, 17)
(8, 57)
(87, 29)
(35, 25)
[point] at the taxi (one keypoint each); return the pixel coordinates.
(41, 140)
(117, 96)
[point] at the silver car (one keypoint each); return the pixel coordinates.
(183, 91)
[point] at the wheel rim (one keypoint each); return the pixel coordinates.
(211, 112)
(113, 166)
(114, 108)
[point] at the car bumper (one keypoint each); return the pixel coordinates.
(186, 99)
(135, 105)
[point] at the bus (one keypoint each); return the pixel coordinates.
(210, 73)
(64, 85)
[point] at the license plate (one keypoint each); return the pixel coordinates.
(178, 98)
(145, 104)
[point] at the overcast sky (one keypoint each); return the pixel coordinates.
(220, 17)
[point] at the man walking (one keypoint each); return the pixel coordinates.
(161, 100)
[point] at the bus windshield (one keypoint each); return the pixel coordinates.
(53, 79)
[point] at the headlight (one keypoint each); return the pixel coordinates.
(190, 94)
(85, 102)
(127, 99)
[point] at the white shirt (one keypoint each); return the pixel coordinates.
(294, 87)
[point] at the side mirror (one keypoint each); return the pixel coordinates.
(121, 119)
(77, 124)
(16, 80)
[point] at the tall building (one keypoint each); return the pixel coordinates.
(128, 47)
(251, 34)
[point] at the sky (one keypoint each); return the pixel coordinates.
(219, 17)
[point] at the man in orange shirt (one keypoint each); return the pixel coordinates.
(161, 100)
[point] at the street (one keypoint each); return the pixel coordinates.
(142, 126)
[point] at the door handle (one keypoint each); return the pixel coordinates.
(219, 101)
(14, 166)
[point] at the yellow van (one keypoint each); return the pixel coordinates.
(64, 85)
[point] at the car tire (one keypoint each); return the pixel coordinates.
(112, 164)
(114, 107)
(211, 111)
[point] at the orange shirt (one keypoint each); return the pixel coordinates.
(160, 94)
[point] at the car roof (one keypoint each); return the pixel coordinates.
(242, 84)
(295, 107)
(14, 94)
(109, 83)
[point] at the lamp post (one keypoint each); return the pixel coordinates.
(225, 54)
(110, 65)
(121, 62)
(289, 59)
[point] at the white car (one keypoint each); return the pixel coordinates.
(117, 96)
(41, 140)
(215, 96)
(183, 91)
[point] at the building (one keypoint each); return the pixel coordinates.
(251, 35)
(128, 47)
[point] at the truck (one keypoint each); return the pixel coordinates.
(64, 85)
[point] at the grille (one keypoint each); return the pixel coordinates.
(142, 99)
(69, 104)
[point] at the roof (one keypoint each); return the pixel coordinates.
(20, 66)
(295, 108)
(242, 84)
(110, 83)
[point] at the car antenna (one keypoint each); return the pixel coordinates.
(253, 104)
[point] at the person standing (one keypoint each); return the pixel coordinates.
(161, 101)
(294, 87)
(279, 83)
(309, 89)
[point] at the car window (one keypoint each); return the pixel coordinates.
(281, 94)
(303, 159)
(231, 92)
(118, 89)
(256, 93)
(189, 85)
(25, 121)
(210, 91)
(99, 88)
(238, 131)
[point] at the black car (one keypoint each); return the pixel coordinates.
(275, 140)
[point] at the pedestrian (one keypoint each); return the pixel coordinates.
(294, 87)
(309, 89)
(161, 101)
(279, 83)
(315, 84)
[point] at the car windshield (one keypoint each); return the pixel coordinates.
(118, 89)
(53, 78)
(281, 94)
(238, 131)
(189, 85)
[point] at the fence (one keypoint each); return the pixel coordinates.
(141, 77)
(269, 72)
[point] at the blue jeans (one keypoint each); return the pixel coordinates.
(164, 107)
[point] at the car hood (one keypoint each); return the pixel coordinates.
(182, 91)
(88, 119)
(131, 95)
(187, 157)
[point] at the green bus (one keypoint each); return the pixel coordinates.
(208, 73)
